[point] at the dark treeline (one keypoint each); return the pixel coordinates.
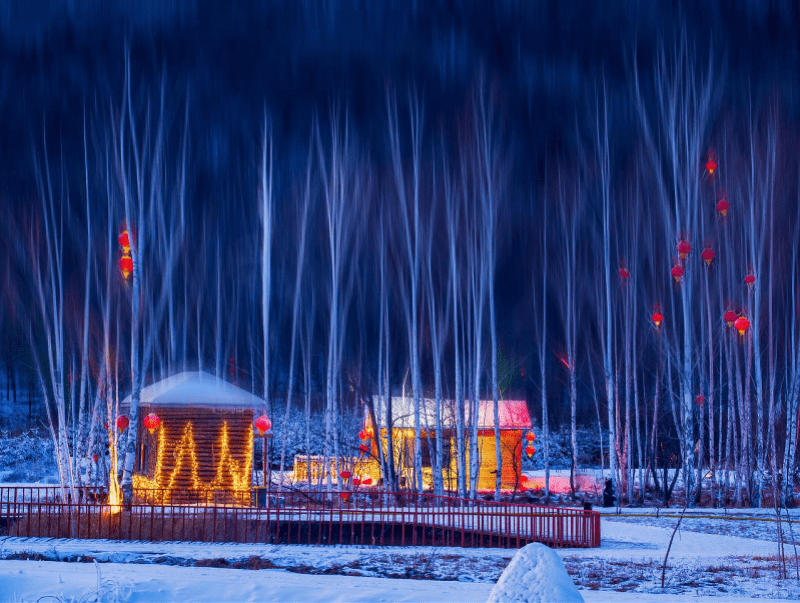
(336, 202)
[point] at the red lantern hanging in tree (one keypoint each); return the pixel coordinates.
(750, 280)
(700, 400)
(529, 450)
(363, 449)
(711, 164)
(94, 457)
(362, 435)
(730, 317)
(657, 319)
(741, 325)
(263, 424)
(356, 481)
(708, 255)
(345, 496)
(122, 422)
(345, 474)
(624, 274)
(152, 422)
(677, 272)
(124, 242)
(722, 207)
(530, 436)
(126, 266)
(684, 248)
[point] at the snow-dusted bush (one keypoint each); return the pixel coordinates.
(588, 441)
(295, 435)
(26, 457)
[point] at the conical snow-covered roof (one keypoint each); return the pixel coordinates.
(196, 389)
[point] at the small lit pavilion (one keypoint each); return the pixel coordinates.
(202, 447)
(515, 422)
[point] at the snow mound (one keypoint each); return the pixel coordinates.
(535, 575)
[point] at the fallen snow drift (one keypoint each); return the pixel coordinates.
(535, 575)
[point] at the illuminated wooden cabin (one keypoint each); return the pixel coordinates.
(515, 422)
(202, 449)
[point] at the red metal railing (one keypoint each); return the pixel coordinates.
(364, 517)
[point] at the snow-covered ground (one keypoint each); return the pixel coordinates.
(706, 562)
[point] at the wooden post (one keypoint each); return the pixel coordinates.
(267, 470)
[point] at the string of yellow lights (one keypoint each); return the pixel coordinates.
(230, 473)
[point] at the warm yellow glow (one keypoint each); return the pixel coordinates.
(114, 491)
(230, 473)
(183, 451)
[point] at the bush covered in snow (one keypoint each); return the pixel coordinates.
(588, 441)
(26, 457)
(295, 435)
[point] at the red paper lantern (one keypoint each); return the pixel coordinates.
(700, 400)
(369, 431)
(345, 474)
(124, 242)
(684, 249)
(741, 325)
(529, 450)
(750, 280)
(677, 272)
(263, 424)
(624, 274)
(152, 422)
(94, 457)
(345, 496)
(730, 317)
(363, 449)
(657, 318)
(530, 436)
(708, 255)
(122, 422)
(126, 266)
(367, 481)
(356, 481)
(722, 207)
(711, 165)
(362, 435)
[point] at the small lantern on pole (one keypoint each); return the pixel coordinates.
(264, 427)
(152, 422)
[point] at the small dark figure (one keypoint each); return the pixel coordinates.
(608, 494)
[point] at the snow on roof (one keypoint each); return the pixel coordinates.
(513, 413)
(196, 389)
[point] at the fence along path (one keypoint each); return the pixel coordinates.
(363, 517)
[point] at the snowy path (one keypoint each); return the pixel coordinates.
(629, 559)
